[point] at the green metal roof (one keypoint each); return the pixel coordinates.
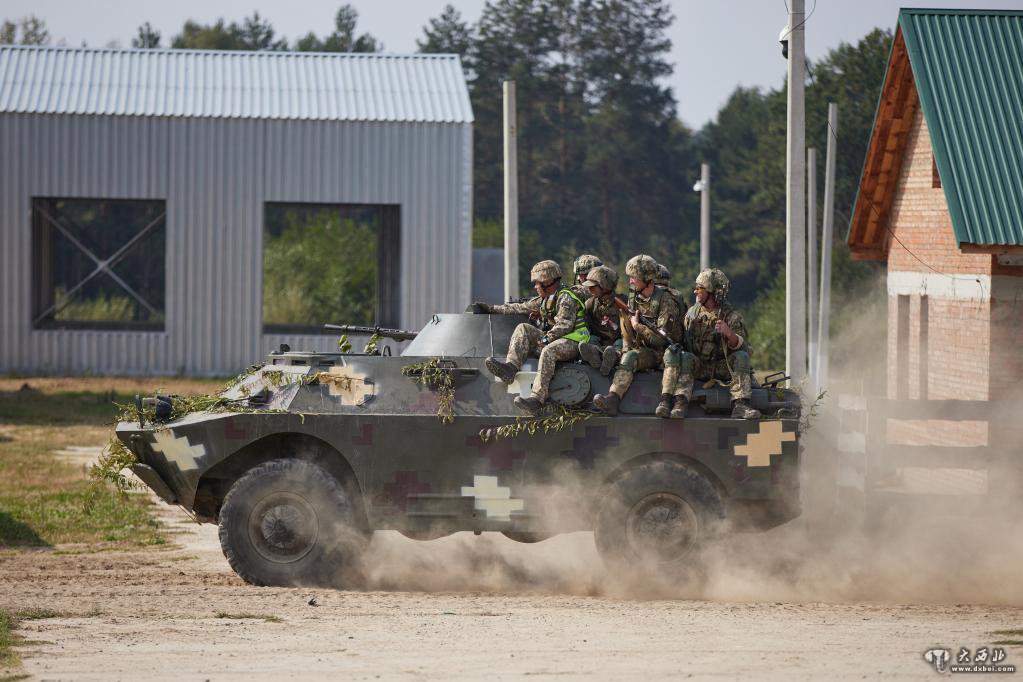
(968, 68)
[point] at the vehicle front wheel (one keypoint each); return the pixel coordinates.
(288, 522)
(653, 520)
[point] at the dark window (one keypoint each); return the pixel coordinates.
(902, 348)
(935, 176)
(330, 263)
(98, 263)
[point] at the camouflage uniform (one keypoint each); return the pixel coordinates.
(711, 358)
(603, 319)
(661, 308)
(563, 327)
(664, 280)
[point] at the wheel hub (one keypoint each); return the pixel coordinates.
(663, 527)
(283, 527)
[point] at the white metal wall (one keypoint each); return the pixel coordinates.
(215, 175)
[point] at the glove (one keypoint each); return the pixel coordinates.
(478, 308)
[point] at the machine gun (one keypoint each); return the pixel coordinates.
(394, 334)
(648, 323)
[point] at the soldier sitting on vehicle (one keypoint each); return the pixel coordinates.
(562, 328)
(716, 334)
(603, 320)
(582, 266)
(645, 349)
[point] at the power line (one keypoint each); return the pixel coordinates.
(805, 19)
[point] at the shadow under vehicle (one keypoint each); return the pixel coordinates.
(315, 451)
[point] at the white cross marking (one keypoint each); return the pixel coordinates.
(493, 499)
(178, 450)
(522, 384)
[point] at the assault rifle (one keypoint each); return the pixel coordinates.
(383, 332)
(675, 346)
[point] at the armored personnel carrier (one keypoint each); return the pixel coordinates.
(309, 453)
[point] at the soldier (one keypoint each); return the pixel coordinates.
(656, 304)
(562, 329)
(664, 280)
(602, 318)
(583, 264)
(716, 335)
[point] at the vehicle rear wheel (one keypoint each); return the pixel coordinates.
(653, 520)
(289, 522)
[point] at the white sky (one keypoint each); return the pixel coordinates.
(717, 44)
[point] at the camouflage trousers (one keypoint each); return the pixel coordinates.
(635, 360)
(524, 343)
(685, 368)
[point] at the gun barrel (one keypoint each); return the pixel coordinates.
(396, 334)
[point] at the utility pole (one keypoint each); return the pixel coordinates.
(795, 196)
(511, 195)
(703, 187)
(811, 250)
(829, 219)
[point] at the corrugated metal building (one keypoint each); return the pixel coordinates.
(145, 195)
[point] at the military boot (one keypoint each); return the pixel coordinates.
(741, 410)
(664, 407)
(607, 403)
(608, 360)
(590, 353)
(531, 405)
(505, 371)
(679, 410)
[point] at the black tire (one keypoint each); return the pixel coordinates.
(526, 536)
(288, 522)
(653, 520)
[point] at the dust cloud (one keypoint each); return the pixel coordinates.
(940, 547)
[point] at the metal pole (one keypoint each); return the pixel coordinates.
(811, 251)
(795, 214)
(511, 195)
(704, 216)
(829, 219)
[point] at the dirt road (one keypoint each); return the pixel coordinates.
(154, 615)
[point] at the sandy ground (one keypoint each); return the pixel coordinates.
(152, 615)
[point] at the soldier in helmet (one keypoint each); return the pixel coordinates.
(664, 280)
(582, 266)
(717, 337)
(656, 304)
(602, 317)
(562, 328)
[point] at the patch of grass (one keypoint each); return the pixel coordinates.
(1018, 632)
(15, 678)
(37, 614)
(8, 640)
(1009, 642)
(254, 616)
(47, 500)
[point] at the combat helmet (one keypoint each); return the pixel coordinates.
(545, 271)
(642, 267)
(603, 277)
(715, 282)
(663, 276)
(584, 263)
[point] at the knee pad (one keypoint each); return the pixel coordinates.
(629, 360)
(685, 362)
(671, 359)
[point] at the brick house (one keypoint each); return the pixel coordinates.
(941, 200)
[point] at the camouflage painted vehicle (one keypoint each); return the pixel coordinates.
(318, 450)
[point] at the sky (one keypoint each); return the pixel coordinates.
(716, 44)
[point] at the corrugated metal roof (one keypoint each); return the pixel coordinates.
(968, 68)
(234, 84)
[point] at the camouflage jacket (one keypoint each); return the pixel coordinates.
(557, 312)
(661, 307)
(679, 298)
(603, 319)
(699, 331)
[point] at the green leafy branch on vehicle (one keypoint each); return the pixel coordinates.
(110, 467)
(429, 373)
(563, 418)
(372, 346)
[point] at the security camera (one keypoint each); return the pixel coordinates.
(783, 39)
